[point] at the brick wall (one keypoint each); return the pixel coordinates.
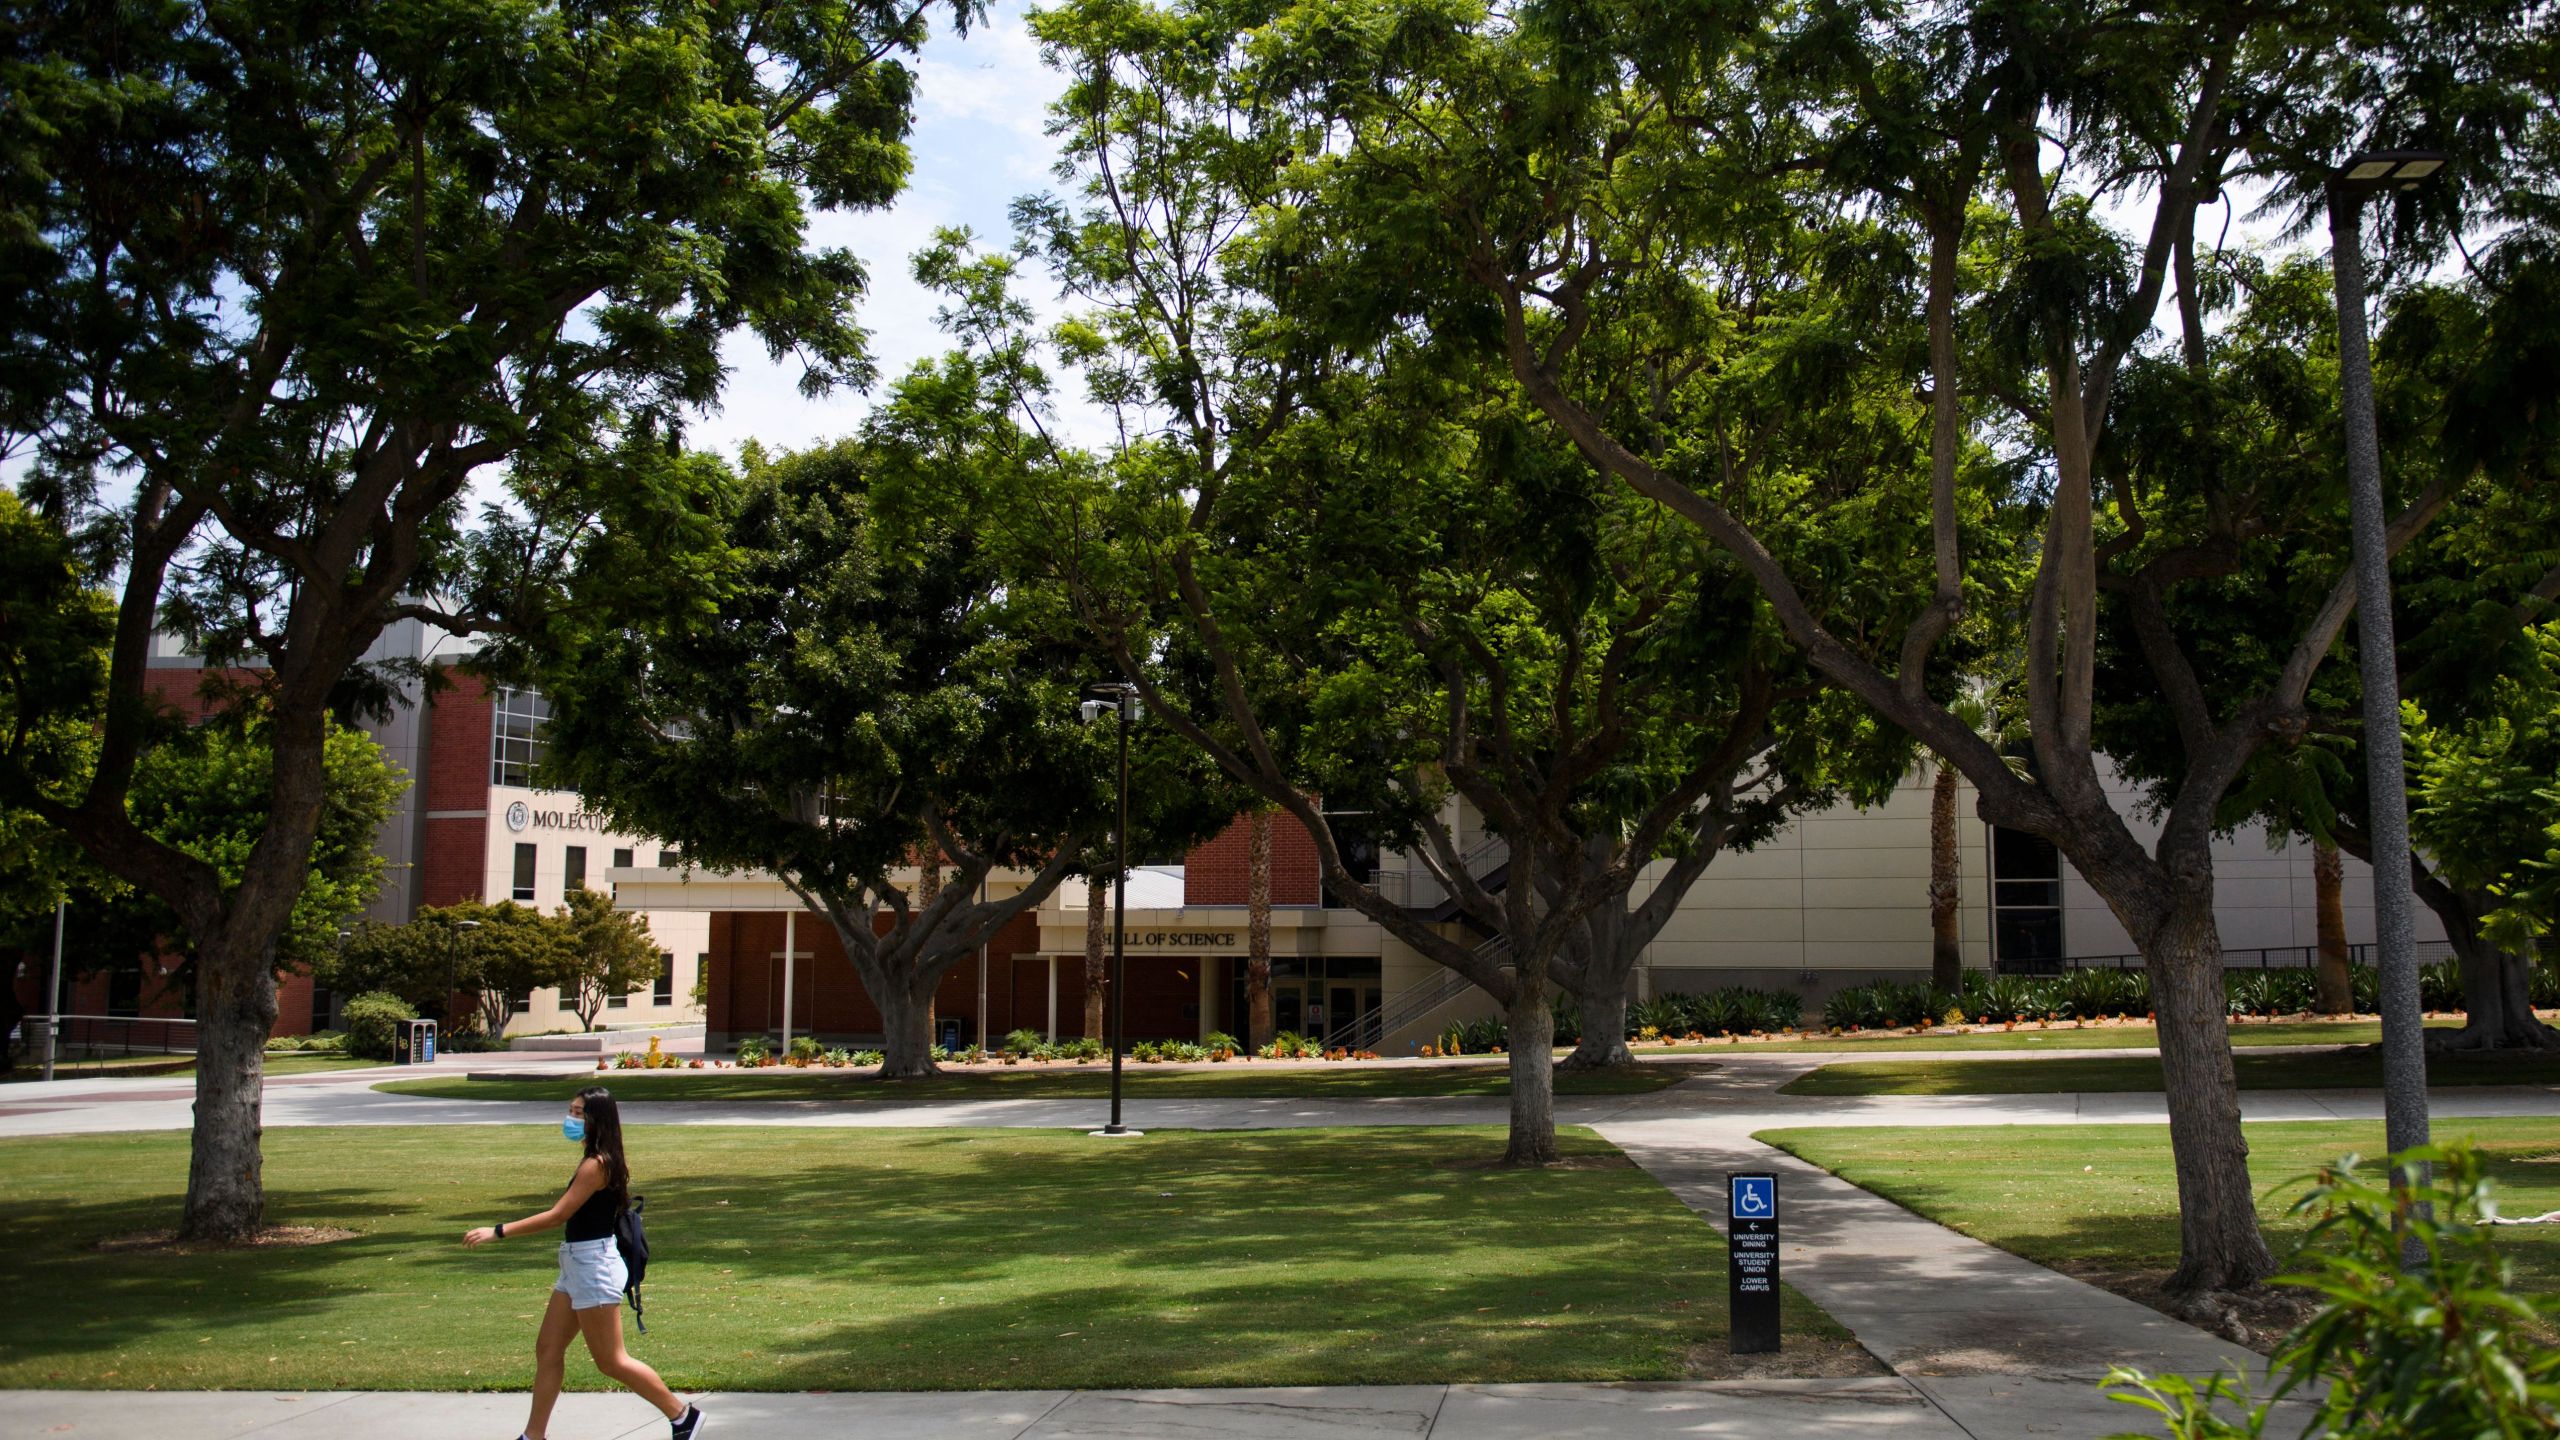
(1218, 872)
(828, 999)
(453, 857)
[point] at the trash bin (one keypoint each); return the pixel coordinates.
(950, 1034)
(417, 1043)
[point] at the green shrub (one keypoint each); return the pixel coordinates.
(1083, 1049)
(2444, 1351)
(1024, 1042)
(1469, 1037)
(2543, 986)
(1568, 1021)
(1665, 1014)
(1221, 1040)
(804, 1048)
(870, 1058)
(1290, 1045)
(373, 1021)
(754, 1050)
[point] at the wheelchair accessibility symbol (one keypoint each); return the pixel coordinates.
(1754, 1197)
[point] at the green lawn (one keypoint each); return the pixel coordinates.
(163, 1067)
(2332, 1070)
(881, 1259)
(2057, 1037)
(1346, 1081)
(2104, 1198)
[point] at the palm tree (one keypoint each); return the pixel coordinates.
(1257, 935)
(1094, 974)
(2336, 988)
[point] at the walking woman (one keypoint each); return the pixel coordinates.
(587, 1300)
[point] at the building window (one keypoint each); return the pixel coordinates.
(621, 859)
(124, 989)
(516, 746)
(573, 870)
(323, 1007)
(524, 1002)
(616, 1002)
(2026, 902)
(524, 872)
(670, 857)
(663, 992)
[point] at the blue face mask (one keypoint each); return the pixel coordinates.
(573, 1128)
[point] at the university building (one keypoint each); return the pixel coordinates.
(470, 826)
(1838, 898)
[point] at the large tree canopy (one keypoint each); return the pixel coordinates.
(293, 274)
(1637, 210)
(873, 687)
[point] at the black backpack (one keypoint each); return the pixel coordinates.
(632, 1240)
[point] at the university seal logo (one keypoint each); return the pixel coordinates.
(518, 817)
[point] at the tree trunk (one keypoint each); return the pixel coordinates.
(2336, 986)
(1604, 1024)
(906, 1029)
(928, 890)
(2496, 984)
(1946, 886)
(1533, 1083)
(1603, 993)
(236, 1011)
(2219, 1244)
(1257, 935)
(1096, 906)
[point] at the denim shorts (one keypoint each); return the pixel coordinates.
(591, 1273)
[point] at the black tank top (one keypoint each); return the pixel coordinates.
(593, 1220)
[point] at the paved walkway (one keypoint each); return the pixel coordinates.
(1866, 1409)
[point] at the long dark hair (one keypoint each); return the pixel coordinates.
(604, 1142)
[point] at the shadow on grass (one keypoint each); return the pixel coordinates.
(939, 1259)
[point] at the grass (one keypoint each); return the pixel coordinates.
(163, 1067)
(2329, 1070)
(2103, 1198)
(1347, 1081)
(2109, 1036)
(881, 1259)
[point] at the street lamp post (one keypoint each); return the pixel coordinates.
(453, 963)
(53, 1004)
(1122, 701)
(2404, 1059)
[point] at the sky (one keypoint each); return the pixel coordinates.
(981, 105)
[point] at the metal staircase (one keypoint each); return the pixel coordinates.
(1370, 1029)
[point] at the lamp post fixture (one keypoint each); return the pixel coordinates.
(1121, 700)
(2404, 1060)
(453, 963)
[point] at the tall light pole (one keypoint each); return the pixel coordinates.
(2404, 1055)
(453, 964)
(1121, 699)
(53, 1004)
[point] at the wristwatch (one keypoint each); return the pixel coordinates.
(502, 1230)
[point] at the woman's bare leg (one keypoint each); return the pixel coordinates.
(550, 1362)
(602, 1325)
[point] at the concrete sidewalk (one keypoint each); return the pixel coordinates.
(1761, 1410)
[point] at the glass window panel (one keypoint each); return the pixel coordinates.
(524, 872)
(2017, 855)
(573, 869)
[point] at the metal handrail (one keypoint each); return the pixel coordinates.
(123, 1034)
(1373, 1027)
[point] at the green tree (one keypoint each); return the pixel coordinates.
(1596, 193)
(604, 953)
(494, 951)
(872, 674)
(298, 273)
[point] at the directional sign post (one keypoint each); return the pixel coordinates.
(1751, 1264)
